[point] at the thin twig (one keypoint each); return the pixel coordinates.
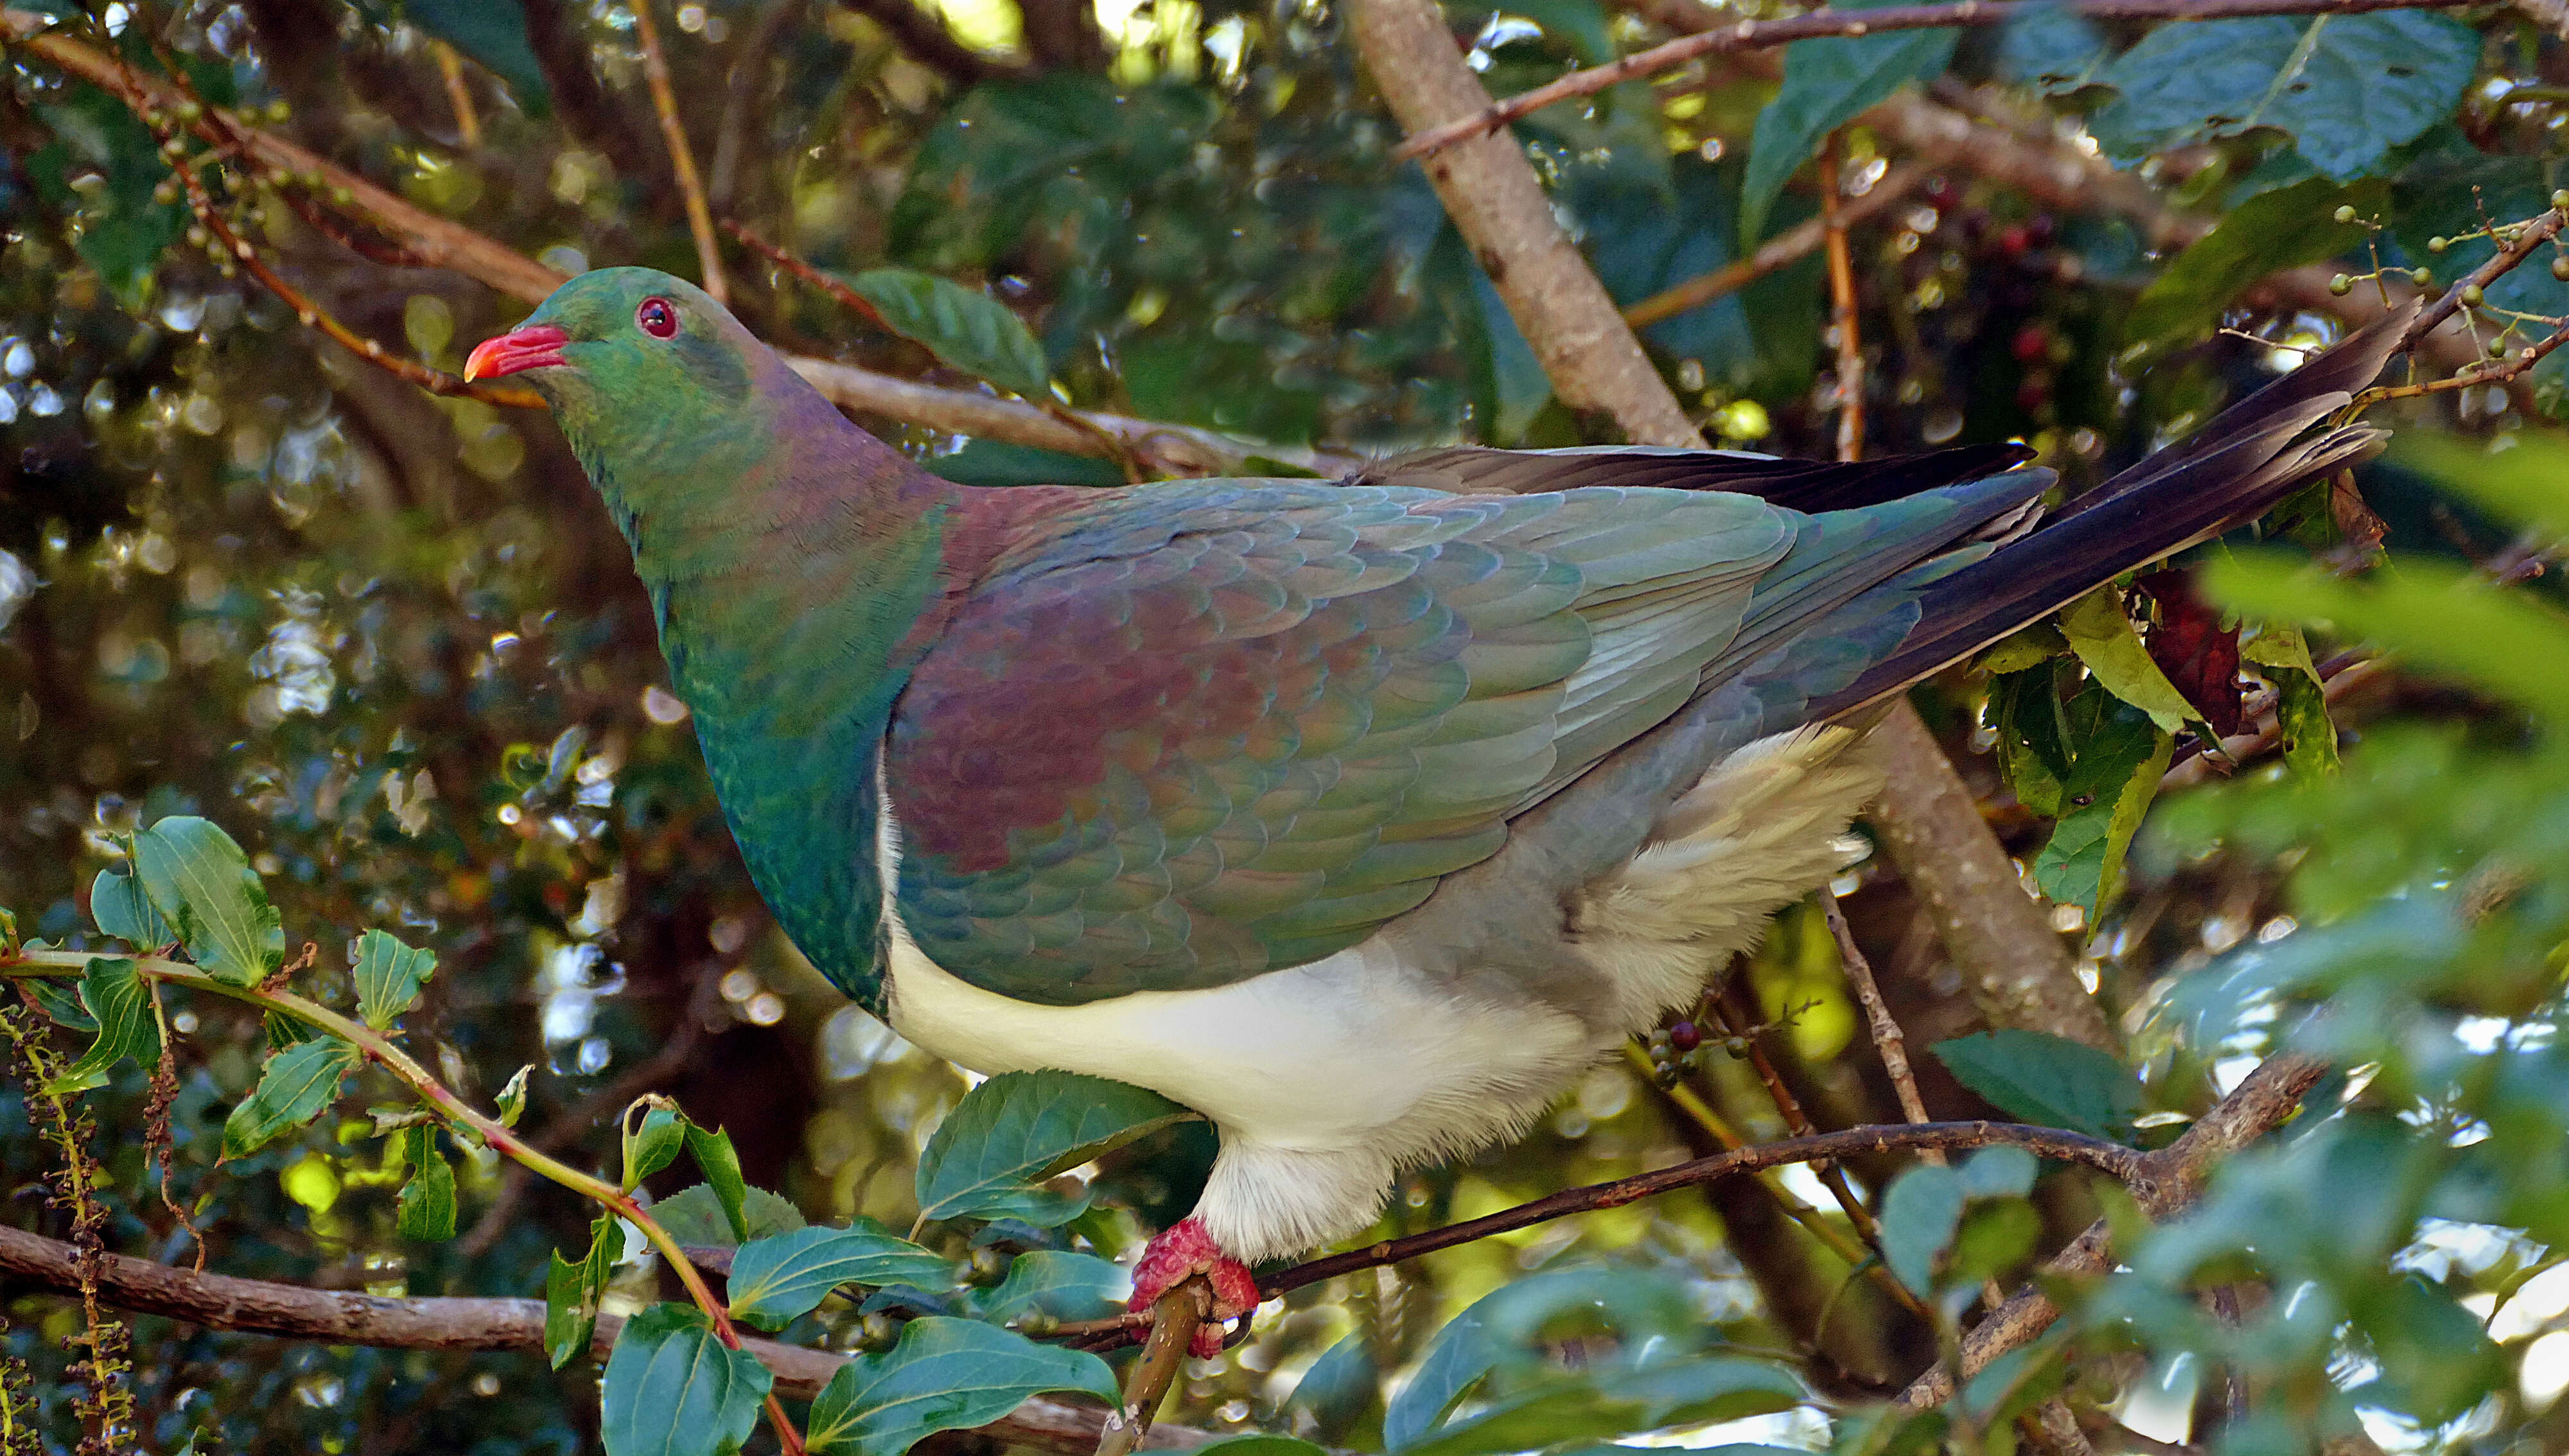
(1842, 304)
(450, 68)
(2495, 372)
(2534, 233)
(1780, 251)
(682, 158)
(1760, 34)
(1886, 1037)
(1173, 1320)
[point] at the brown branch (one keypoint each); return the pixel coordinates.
(924, 38)
(330, 1316)
(682, 157)
(1780, 251)
(1760, 34)
(1174, 1320)
(450, 69)
(2336, 680)
(2111, 1157)
(1842, 304)
(2172, 1179)
(1491, 192)
(2526, 237)
(1887, 1038)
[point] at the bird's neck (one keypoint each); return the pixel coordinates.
(796, 571)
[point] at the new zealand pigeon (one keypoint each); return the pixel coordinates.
(1362, 816)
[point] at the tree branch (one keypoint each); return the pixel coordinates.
(1760, 34)
(1780, 251)
(925, 40)
(291, 1311)
(682, 157)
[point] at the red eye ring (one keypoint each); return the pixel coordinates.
(657, 318)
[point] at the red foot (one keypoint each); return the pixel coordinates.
(1185, 1249)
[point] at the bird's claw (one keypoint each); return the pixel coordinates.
(1180, 1252)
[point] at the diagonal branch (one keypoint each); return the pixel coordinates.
(682, 157)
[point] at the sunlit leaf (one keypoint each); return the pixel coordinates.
(673, 1389)
(694, 1215)
(780, 1278)
(2110, 788)
(965, 327)
(2103, 639)
(202, 885)
(427, 1208)
(298, 1084)
(389, 976)
(654, 1145)
(1015, 1131)
(943, 1375)
(1826, 83)
(120, 1006)
(720, 1165)
(573, 1290)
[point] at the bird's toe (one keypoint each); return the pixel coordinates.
(1180, 1252)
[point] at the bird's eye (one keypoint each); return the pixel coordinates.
(657, 318)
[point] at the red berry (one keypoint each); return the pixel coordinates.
(1684, 1037)
(2013, 239)
(2032, 342)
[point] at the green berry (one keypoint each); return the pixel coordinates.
(2560, 200)
(2437, 243)
(2472, 296)
(2560, 267)
(2341, 285)
(2345, 214)
(2422, 277)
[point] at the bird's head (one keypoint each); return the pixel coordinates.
(634, 362)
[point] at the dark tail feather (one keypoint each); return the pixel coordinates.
(1811, 486)
(2234, 469)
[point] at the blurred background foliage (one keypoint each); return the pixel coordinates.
(392, 644)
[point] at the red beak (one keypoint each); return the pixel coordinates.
(532, 347)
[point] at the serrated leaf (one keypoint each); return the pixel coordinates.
(721, 1164)
(298, 1083)
(574, 1291)
(963, 327)
(2264, 234)
(943, 1375)
(203, 886)
(2108, 791)
(2349, 87)
(654, 1145)
(120, 908)
(284, 1031)
(2103, 639)
(2051, 1080)
(1057, 1283)
(427, 1208)
(777, 1280)
(694, 1215)
(513, 1097)
(120, 1005)
(1919, 1212)
(389, 976)
(1826, 83)
(673, 1389)
(1017, 1130)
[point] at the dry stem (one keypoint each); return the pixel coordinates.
(682, 157)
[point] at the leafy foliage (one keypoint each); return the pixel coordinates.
(942, 1375)
(993, 1152)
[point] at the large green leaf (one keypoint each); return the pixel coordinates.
(943, 1375)
(2046, 1079)
(389, 976)
(654, 1145)
(2052, 48)
(2264, 234)
(493, 32)
(202, 885)
(2349, 87)
(298, 1083)
(721, 1164)
(1594, 1404)
(427, 1208)
(1058, 1283)
(2102, 636)
(121, 1005)
(695, 1215)
(1826, 83)
(1014, 1131)
(121, 910)
(673, 1389)
(2115, 775)
(124, 226)
(573, 1290)
(780, 1278)
(964, 327)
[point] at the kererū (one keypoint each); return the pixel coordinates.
(1360, 815)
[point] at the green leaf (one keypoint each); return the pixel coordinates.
(1993, 1238)
(2103, 639)
(2349, 87)
(297, 1085)
(1258, 1443)
(60, 1003)
(777, 1280)
(493, 32)
(389, 976)
(654, 1145)
(2103, 802)
(965, 328)
(2521, 481)
(1826, 83)
(2264, 234)
(721, 1166)
(2000, 1172)
(2052, 48)
(121, 910)
(427, 1207)
(1057, 1283)
(695, 1216)
(2051, 1080)
(202, 884)
(944, 1375)
(2275, 645)
(124, 229)
(1592, 1404)
(120, 1006)
(672, 1389)
(998, 463)
(2307, 731)
(513, 1097)
(1919, 1212)
(574, 1292)
(2024, 651)
(1504, 372)
(1017, 1130)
